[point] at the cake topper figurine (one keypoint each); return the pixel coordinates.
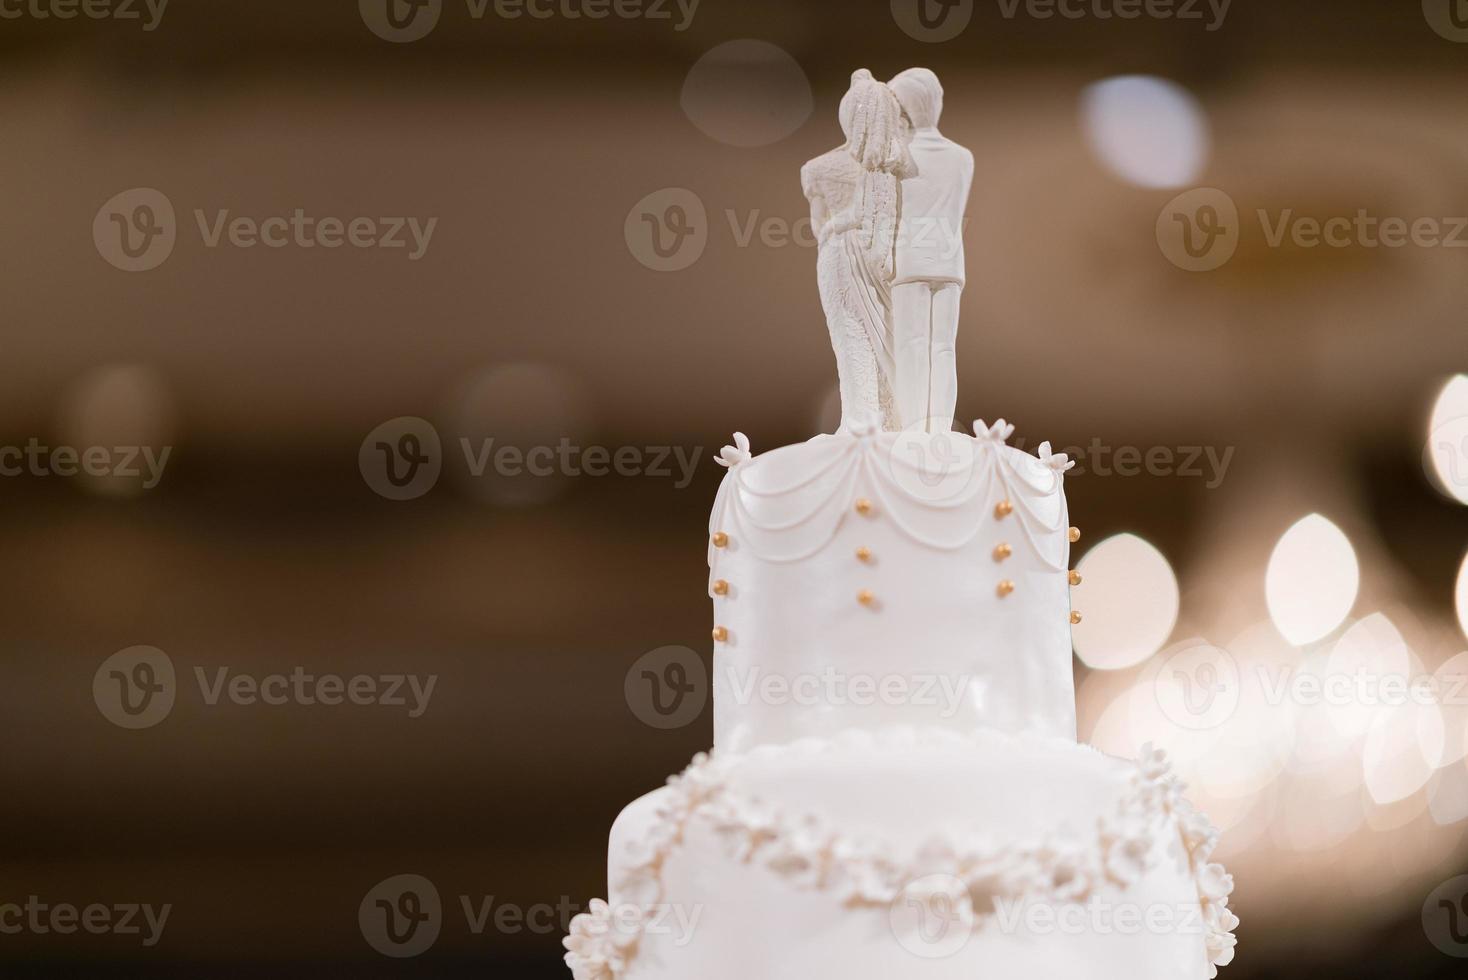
(887, 207)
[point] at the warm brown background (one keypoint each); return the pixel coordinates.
(264, 549)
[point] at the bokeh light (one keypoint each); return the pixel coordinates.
(1147, 130)
(1312, 580)
(1447, 440)
(1462, 598)
(1129, 596)
(525, 408)
(748, 93)
(115, 407)
(1372, 648)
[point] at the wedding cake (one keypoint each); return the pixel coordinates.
(895, 789)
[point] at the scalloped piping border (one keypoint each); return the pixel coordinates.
(856, 459)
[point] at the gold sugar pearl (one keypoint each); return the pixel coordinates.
(1075, 535)
(1005, 587)
(1074, 577)
(863, 506)
(721, 540)
(1075, 617)
(863, 554)
(1002, 551)
(1003, 509)
(720, 634)
(865, 597)
(721, 587)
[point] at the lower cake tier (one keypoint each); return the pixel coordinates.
(911, 854)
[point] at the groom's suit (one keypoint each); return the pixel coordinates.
(929, 275)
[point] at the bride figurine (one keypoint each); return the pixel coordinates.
(853, 195)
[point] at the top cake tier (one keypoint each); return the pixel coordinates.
(891, 578)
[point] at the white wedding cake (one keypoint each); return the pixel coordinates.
(895, 789)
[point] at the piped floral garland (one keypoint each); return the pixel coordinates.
(812, 854)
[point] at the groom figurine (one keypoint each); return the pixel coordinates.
(929, 260)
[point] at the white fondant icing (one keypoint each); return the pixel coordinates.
(936, 644)
(861, 818)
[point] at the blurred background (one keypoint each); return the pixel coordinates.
(383, 349)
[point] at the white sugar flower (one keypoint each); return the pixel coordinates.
(999, 432)
(731, 456)
(1059, 462)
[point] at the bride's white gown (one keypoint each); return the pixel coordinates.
(853, 272)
